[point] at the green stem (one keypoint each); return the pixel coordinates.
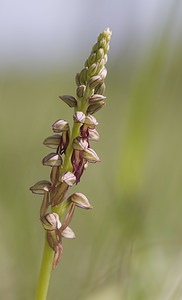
(75, 132)
(45, 272)
(67, 160)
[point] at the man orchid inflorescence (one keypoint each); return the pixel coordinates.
(71, 149)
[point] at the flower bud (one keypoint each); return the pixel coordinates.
(101, 65)
(94, 81)
(93, 108)
(106, 49)
(103, 73)
(91, 121)
(41, 187)
(79, 117)
(60, 126)
(105, 59)
(69, 178)
(52, 141)
(103, 43)
(80, 200)
(100, 53)
(80, 90)
(95, 47)
(70, 100)
(86, 65)
(52, 160)
(95, 98)
(51, 221)
(77, 79)
(100, 88)
(92, 69)
(83, 75)
(91, 59)
(107, 34)
(90, 155)
(103, 39)
(79, 144)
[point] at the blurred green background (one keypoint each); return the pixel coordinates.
(129, 247)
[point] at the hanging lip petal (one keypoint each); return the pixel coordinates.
(68, 233)
(57, 255)
(41, 187)
(80, 200)
(52, 160)
(93, 135)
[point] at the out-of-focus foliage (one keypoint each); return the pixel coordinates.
(129, 245)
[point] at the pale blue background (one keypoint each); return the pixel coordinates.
(44, 33)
